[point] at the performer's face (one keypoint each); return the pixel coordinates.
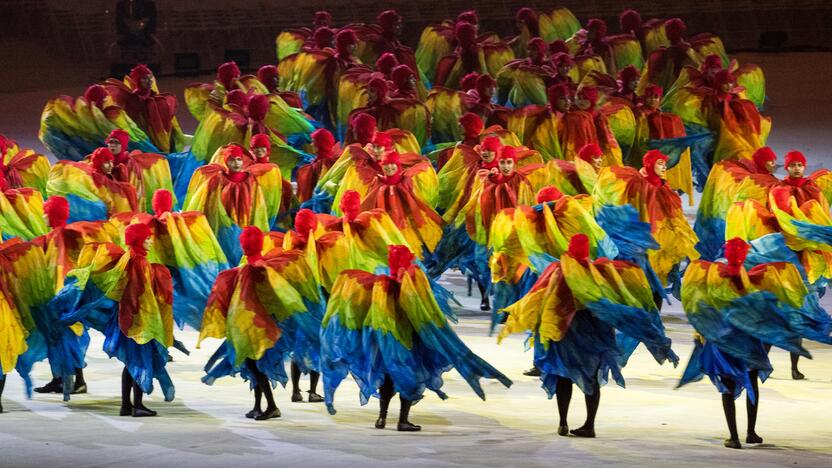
(390, 169)
(564, 69)
(562, 103)
(114, 146)
(532, 52)
(660, 168)
(727, 87)
(771, 166)
(260, 152)
(107, 167)
(487, 156)
(583, 104)
(506, 166)
(597, 162)
(633, 85)
(148, 243)
(146, 82)
(412, 82)
(377, 151)
(652, 102)
(796, 169)
(235, 164)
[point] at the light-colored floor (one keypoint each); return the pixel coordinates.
(649, 423)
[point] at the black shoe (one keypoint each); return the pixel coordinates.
(796, 375)
(126, 410)
(315, 398)
(253, 413)
(583, 432)
(407, 426)
(54, 386)
(753, 438)
(533, 372)
(381, 422)
(296, 396)
(143, 412)
(485, 304)
(79, 389)
(563, 430)
(732, 443)
(268, 414)
(1, 408)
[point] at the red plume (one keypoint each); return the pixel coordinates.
(162, 202)
(258, 107)
(736, 250)
(251, 240)
(548, 194)
(579, 247)
(472, 124)
(135, 235)
(305, 222)
(56, 209)
(762, 156)
(350, 204)
(589, 151)
(399, 257)
(793, 157)
(227, 72)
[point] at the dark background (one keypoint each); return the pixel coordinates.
(74, 33)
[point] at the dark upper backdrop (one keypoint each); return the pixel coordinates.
(44, 43)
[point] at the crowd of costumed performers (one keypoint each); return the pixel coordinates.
(308, 218)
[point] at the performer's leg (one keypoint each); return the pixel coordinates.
(658, 300)
(385, 394)
(404, 414)
(263, 382)
(2, 386)
(751, 436)
(796, 374)
(126, 388)
(139, 410)
(563, 394)
(295, 371)
(533, 371)
(56, 385)
(80, 383)
(313, 387)
(258, 397)
(730, 411)
(592, 401)
(485, 304)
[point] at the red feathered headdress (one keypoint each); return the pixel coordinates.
(793, 157)
(539, 45)
(323, 37)
(471, 124)
(350, 204)
(558, 46)
(305, 222)
(251, 240)
(56, 209)
(468, 82)
(466, 34)
(135, 235)
(469, 16)
(589, 93)
(227, 72)
(556, 92)
(95, 95)
(382, 139)
(508, 152)
(391, 157)
(653, 91)
(649, 161)
(548, 194)
(140, 71)
(386, 63)
(232, 151)
(344, 39)
(101, 156)
(162, 202)
(762, 156)
(492, 144)
(628, 74)
(579, 247)
(485, 86)
(324, 142)
(399, 257)
(712, 62)
(401, 76)
(590, 151)
(237, 98)
(736, 250)
(267, 74)
(527, 16)
(674, 29)
(388, 19)
(322, 18)
(364, 127)
(598, 26)
(122, 137)
(629, 21)
(258, 107)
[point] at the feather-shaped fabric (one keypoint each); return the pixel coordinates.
(21, 214)
(92, 195)
(24, 167)
(560, 23)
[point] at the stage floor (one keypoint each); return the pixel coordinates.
(649, 423)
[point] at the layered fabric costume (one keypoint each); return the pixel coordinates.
(573, 312)
(266, 310)
(737, 307)
(129, 299)
(72, 128)
(656, 204)
(91, 189)
(184, 243)
(390, 326)
(22, 167)
(147, 172)
(235, 198)
(21, 212)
